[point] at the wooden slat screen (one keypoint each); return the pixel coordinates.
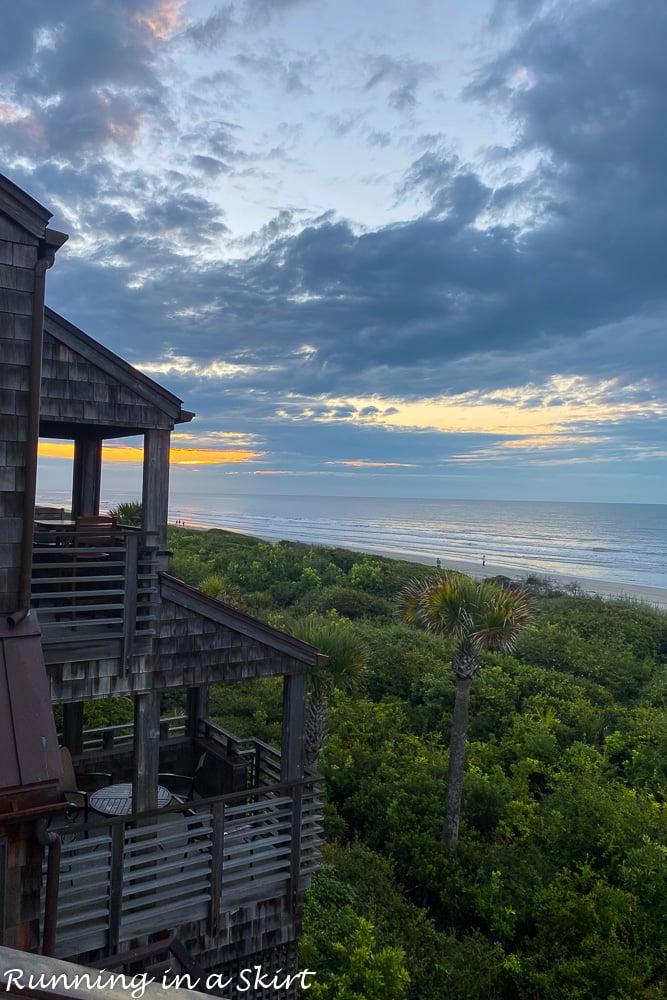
(147, 873)
(80, 591)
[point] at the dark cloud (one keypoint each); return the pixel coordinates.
(559, 268)
(209, 165)
(589, 88)
(77, 79)
(212, 142)
(454, 191)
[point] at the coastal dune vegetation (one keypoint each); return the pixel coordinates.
(557, 887)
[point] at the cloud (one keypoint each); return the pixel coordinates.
(401, 76)
(519, 293)
(545, 412)
(211, 31)
(82, 79)
(123, 453)
(290, 74)
(367, 464)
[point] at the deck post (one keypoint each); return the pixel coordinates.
(87, 476)
(146, 750)
(197, 708)
(295, 688)
(155, 492)
(73, 726)
(294, 716)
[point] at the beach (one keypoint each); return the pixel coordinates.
(591, 587)
(608, 549)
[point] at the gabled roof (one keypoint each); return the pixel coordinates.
(22, 209)
(200, 604)
(135, 395)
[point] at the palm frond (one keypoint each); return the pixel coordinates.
(339, 640)
(480, 613)
(409, 601)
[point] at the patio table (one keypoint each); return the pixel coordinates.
(116, 800)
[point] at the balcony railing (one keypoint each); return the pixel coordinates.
(121, 734)
(94, 593)
(123, 877)
(262, 761)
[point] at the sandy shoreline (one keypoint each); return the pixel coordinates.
(593, 587)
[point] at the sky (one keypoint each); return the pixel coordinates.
(379, 248)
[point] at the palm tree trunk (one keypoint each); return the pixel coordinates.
(316, 727)
(457, 755)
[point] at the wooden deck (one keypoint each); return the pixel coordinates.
(124, 877)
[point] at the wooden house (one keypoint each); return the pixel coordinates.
(205, 880)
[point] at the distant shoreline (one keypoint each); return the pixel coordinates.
(589, 586)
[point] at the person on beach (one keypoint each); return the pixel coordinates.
(483, 560)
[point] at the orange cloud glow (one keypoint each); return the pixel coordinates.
(164, 19)
(55, 449)
(561, 405)
(178, 456)
(209, 456)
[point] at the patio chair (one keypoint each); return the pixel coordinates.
(93, 532)
(182, 786)
(70, 786)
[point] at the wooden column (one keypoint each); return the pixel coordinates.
(155, 493)
(294, 717)
(146, 750)
(155, 500)
(73, 726)
(197, 708)
(87, 476)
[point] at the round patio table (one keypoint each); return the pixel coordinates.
(116, 800)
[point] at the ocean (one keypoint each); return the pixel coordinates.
(619, 543)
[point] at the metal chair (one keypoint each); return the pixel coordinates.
(182, 786)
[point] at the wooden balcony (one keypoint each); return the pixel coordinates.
(125, 877)
(94, 601)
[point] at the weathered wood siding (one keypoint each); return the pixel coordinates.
(194, 650)
(191, 648)
(86, 387)
(18, 256)
(191, 651)
(76, 391)
(261, 934)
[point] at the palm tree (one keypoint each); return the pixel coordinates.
(479, 615)
(128, 513)
(348, 655)
(216, 586)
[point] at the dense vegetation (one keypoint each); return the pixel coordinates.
(558, 887)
